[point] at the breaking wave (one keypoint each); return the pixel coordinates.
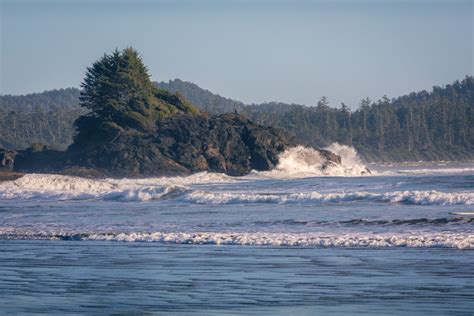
(303, 161)
(56, 187)
(295, 162)
(365, 240)
(405, 197)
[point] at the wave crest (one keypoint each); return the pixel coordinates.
(56, 187)
(362, 240)
(405, 197)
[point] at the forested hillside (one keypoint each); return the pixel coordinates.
(45, 118)
(205, 99)
(436, 125)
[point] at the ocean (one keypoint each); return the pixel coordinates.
(298, 240)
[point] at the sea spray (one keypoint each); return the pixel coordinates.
(349, 156)
(301, 162)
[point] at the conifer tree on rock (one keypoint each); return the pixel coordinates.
(118, 89)
(120, 96)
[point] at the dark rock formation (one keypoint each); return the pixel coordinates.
(7, 159)
(182, 144)
(133, 129)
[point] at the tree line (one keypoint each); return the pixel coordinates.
(435, 125)
(45, 118)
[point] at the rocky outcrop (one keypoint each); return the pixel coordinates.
(182, 144)
(7, 159)
(133, 129)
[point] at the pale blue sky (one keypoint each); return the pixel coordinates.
(254, 51)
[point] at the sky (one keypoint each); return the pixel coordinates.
(250, 50)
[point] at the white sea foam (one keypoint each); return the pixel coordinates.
(300, 162)
(293, 163)
(351, 162)
(450, 240)
(406, 197)
(145, 194)
(42, 186)
(56, 187)
(366, 240)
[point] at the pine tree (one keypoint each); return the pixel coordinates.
(118, 89)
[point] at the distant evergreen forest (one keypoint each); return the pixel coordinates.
(45, 118)
(436, 125)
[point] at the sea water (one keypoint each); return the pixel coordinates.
(298, 240)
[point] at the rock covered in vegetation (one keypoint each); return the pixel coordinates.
(134, 129)
(182, 144)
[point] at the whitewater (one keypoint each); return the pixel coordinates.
(263, 208)
(303, 239)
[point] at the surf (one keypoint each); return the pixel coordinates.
(54, 187)
(302, 162)
(316, 240)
